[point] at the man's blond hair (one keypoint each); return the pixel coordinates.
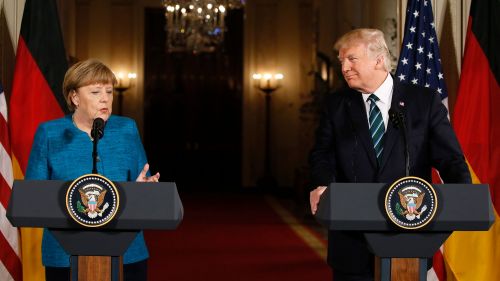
(373, 39)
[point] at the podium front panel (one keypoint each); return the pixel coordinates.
(142, 206)
(359, 207)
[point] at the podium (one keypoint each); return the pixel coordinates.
(360, 207)
(95, 252)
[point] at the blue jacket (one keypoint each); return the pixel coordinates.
(61, 151)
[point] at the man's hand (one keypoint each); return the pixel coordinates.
(314, 197)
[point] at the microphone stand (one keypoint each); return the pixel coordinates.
(96, 133)
(94, 155)
(398, 119)
(405, 139)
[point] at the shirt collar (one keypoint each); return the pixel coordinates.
(384, 91)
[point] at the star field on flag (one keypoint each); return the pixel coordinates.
(419, 62)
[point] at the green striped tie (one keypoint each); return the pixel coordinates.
(377, 128)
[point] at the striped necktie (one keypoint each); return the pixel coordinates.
(377, 128)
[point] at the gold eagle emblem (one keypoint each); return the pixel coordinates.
(411, 204)
(92, 197)
(411, 199)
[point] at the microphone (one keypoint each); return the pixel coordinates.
(96, 133)
(394, 116)
(97, 128)
(398, 119)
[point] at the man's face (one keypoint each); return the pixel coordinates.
(357, 67)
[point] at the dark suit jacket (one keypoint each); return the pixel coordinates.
(343, 152)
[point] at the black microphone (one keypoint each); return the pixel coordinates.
(96, 133)
(398, 119)
(394, 117)
(97, 128)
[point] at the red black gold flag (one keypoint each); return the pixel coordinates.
(476, 255)
(36, 97)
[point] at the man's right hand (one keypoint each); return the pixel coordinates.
(314, 197)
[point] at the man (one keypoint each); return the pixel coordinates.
(356, 141)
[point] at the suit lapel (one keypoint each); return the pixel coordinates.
(357, 112)
(392, 135)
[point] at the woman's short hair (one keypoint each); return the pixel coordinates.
(85, 73)
(372, 38)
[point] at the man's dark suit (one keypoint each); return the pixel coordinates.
(344, 152)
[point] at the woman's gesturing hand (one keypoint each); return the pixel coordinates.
(143, 178)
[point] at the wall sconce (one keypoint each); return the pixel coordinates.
(123, 84)
(267, 83)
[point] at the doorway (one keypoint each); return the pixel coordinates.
(193, 107)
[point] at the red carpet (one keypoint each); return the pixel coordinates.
(231, 237)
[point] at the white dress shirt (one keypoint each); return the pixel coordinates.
(384, 93)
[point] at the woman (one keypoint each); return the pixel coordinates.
(62, 150)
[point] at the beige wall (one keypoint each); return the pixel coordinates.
(10, 25)
(109, 31)
(277, 39)
(13, 11)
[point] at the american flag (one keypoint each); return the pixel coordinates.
(420, 62)
(10, 263)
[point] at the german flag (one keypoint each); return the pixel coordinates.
(36, 97)
(476, 255)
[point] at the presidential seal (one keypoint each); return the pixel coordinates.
(411, 203)
(92, 200)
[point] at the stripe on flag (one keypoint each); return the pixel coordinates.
(475, 255)
(420, 64)
(36, 97)
(10, 262)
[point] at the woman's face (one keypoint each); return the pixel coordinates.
(94, 100)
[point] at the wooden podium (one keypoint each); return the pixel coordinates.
(360, 207)
(95, 252)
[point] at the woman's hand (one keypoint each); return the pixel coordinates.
(143, 178)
